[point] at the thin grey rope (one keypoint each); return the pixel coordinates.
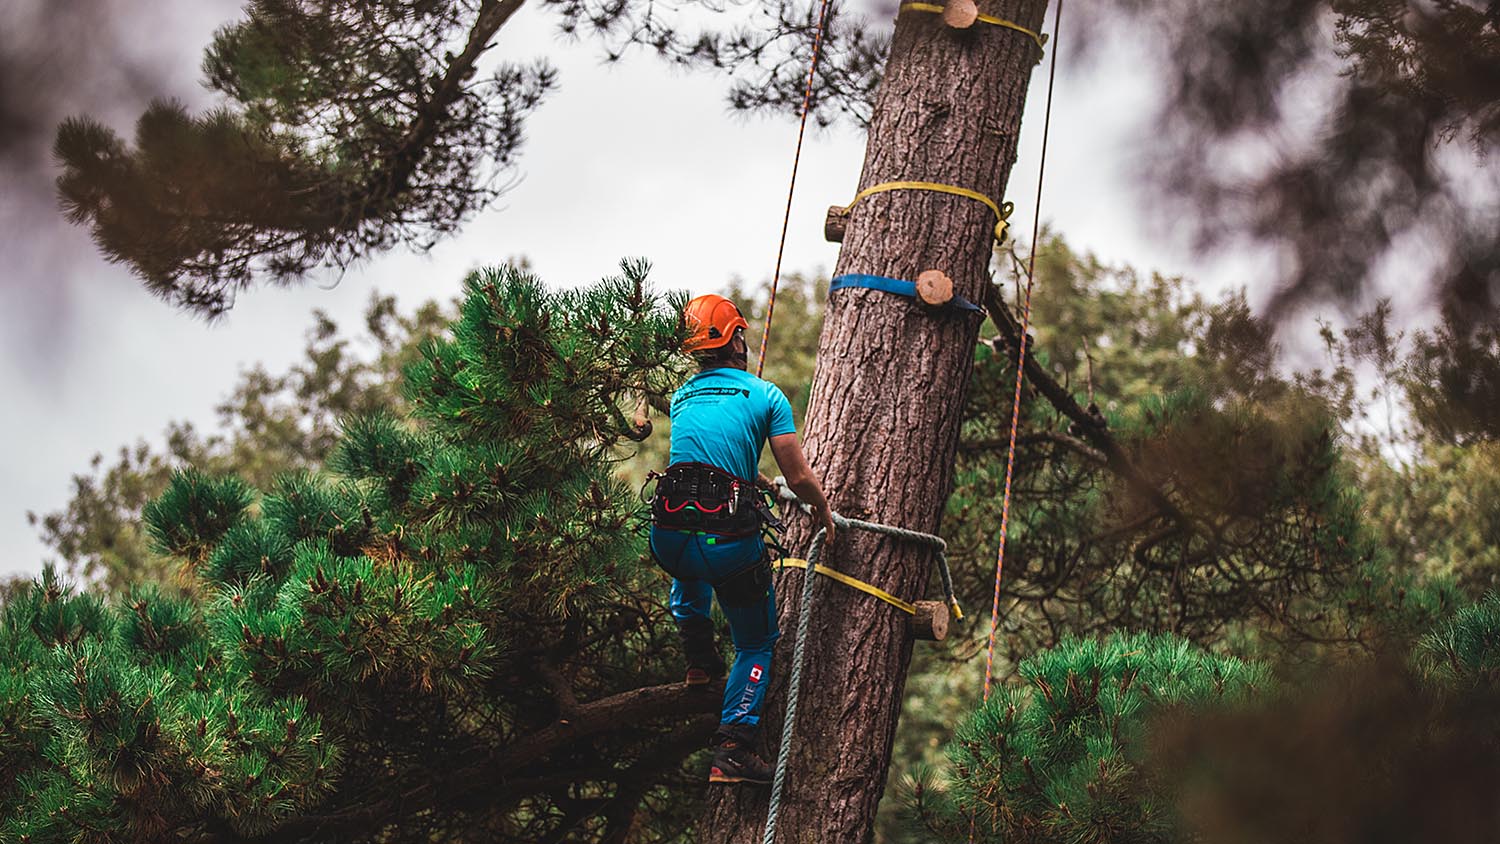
(936, 543)
(804, 618)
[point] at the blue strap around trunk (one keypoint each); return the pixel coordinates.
(896, 286)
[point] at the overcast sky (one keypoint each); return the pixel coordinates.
(626, 160)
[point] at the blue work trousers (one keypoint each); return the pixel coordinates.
(698, 562)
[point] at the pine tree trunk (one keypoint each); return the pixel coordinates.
(884, 418)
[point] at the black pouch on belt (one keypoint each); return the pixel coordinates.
(704, 498)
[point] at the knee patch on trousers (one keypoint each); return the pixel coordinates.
(746, 587)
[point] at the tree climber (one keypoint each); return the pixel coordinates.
(707, 520)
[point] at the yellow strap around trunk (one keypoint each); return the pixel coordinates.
(1041, 40)
(1002, 211)
(904, 606)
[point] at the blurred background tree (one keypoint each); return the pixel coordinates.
(1150, 739)
(348, 128)
(1396, 748)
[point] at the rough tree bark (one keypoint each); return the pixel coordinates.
(884, 418)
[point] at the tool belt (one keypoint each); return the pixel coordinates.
(704, 498)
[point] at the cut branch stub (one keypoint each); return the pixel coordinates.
(641, 422)
(935, 288)
(835, 224)
(960, 14)
(930, 622)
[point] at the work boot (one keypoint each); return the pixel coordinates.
(704, 662)
(735, 759)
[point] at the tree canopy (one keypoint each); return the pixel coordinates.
(380, 626)
(1172, 376)
(429, 615)
(1337, 131)
(1179, 383)
(348, 128)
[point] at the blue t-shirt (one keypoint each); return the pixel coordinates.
(724, 416)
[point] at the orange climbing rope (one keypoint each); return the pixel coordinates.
(1015, 409)
(791, 190)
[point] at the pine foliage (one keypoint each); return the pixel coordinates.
(344, 129)
(347, 128)
(449, 634)
(1056, 757)
(1464, 652)
(125, 723)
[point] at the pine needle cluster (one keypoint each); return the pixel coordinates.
(1057, 756)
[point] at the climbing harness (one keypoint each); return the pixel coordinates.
(896, 286)
(1002, 211)
(1040, 39)
(706, 499)
(746, 587)
(804, 619)
(786, 220)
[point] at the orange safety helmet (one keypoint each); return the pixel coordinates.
(711, 322)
